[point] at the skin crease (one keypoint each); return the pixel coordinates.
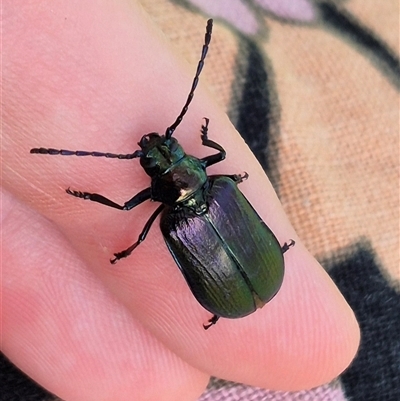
(97, 75)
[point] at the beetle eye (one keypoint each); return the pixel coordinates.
(147, 139)
(144, 141)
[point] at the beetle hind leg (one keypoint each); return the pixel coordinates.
(211, 322)
(238, 178)
(286, 246)
(126, 252)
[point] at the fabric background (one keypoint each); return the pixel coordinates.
(313, 87)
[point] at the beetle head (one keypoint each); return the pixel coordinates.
(159, 153)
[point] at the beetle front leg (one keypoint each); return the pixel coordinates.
(141, 238)
(212, 159)
(130, 204)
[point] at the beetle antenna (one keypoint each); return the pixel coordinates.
(63, 152)
(207, 39)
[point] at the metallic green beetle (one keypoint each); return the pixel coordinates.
(230, 259)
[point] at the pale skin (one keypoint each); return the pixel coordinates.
(97, 75)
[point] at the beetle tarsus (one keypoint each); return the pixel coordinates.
(211, 322)
(286, 246)
(204, 129)
(78, 194)
(212, 159)
(238, 178)
(125, 253)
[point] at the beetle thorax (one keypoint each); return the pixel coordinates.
(176, 178)
(181, 183)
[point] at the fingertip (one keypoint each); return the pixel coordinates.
(320, 329)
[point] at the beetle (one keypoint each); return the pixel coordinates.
(231, 260)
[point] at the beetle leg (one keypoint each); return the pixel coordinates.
(130, 204)
(212, 159)
(211, 322)
(286, 246)
(238, 178)
(141, 238)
